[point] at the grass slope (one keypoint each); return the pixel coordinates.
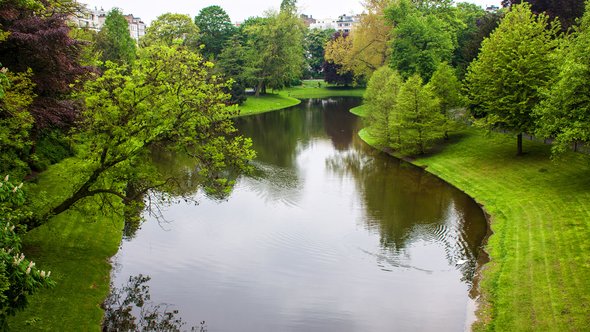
(76, 247)
(539, 276)
(291, 96)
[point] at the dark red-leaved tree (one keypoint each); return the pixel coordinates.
(40, 40)
(566, 10)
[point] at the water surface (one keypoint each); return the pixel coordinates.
(328, 235)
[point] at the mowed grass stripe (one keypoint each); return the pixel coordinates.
(539, 276)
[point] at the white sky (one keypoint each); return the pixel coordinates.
(238, 10)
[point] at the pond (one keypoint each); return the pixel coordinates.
(327, 235)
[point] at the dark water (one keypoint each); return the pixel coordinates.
(329, 235)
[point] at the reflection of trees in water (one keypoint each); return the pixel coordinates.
(272, 183)
(129, 309)
(404, 204)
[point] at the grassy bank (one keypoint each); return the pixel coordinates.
(291, 96)
(76, 247)
(539, 276)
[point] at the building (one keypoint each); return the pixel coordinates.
(347, 23)
(136, 27)
(308, 20)
(93, 19)
(324, 24)
(90, 19)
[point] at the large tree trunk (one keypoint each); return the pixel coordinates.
(519, 144)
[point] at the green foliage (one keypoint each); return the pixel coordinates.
(19, 278)
(216, 29)
(380, 104)
(514, 63)
(233, 64)
(275, 46)
(315, 41)
(418, 117)
(15, 120)
(114, 41)
(446, 86)
(171, 29)
(424, 35)
(564, 113)
(478, 24)
(167, 98)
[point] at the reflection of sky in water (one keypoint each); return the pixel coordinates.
(298, 249)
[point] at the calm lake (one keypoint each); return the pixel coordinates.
(328, 235)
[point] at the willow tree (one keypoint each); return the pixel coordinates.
(515, 62)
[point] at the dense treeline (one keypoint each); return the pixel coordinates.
(505, 70)
(106, 100)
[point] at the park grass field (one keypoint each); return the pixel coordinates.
(539, 275)
(76, 247)
(291, 96)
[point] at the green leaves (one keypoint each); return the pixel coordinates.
(172, 28)
(564, 113)
(512, 67)
(403, 116)
(113, 41)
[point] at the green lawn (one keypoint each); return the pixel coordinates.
(291, 96)
(76, 247)
(539, 275)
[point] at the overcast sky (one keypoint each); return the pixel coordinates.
(238, 10)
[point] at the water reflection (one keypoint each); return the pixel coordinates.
(327, 235)
(129, 309)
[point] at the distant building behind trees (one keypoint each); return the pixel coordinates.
(93, 19)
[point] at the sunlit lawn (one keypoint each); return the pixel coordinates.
(76, 247)
(290, 97)
(539, 276)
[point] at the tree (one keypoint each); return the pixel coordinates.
(114, 41)
(564, 112)
(367, 48)
(216, 29)
(233, 64)
(478, 26)
(168, 98)
(418, 116)
(334, 71)
(172, 28)
(19, 277)
(380, 100)
(315, 41)
(421, 38)
(15, 120)
(39, 40)
(289, 6)
(446, 86)
(275, 47)
(514, 63)
(567, 11)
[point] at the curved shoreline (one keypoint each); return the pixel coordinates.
(475, 293)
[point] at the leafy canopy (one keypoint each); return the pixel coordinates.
(514, 63)
(168, 98)
(564, 112)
